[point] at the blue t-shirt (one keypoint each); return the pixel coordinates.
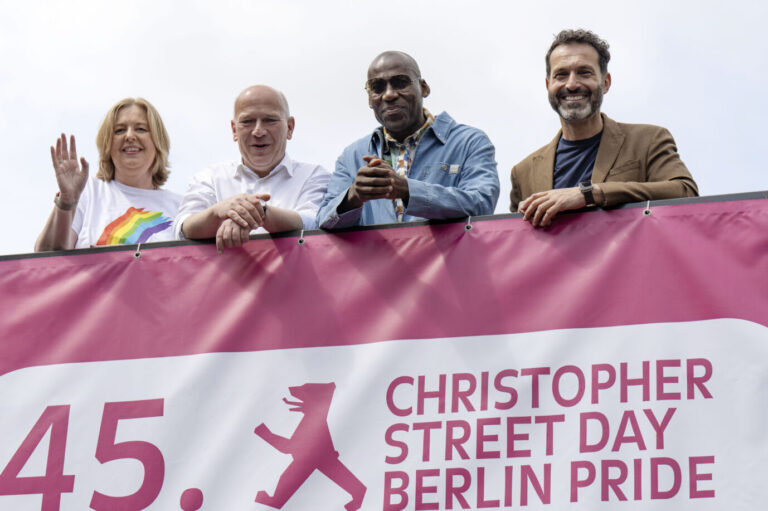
(574, 160)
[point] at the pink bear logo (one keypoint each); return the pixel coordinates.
(311, 447)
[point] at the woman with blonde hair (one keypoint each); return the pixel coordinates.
(124, 204)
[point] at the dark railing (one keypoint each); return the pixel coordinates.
(146, 246)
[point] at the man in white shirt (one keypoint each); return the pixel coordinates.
(266, 191)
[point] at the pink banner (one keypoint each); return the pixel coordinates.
(616, 357)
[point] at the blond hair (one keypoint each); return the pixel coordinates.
(156, 131)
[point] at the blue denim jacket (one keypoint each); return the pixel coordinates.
(452, 175)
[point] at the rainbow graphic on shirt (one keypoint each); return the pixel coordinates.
(134, 226)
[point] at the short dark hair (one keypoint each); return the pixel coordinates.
(581, 36)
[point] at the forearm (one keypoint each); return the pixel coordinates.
(331, 209)
(598, 195)
(279, 220)
(57, 233)
(431, 200)
(329, 216)
(348, 204)
(624, 192)
(201, 225)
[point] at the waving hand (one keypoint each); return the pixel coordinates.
(69, 174)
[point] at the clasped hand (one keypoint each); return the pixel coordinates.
(377, 180)
(240, 214)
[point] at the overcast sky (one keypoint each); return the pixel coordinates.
(697, 68)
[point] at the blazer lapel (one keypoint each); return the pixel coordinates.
(544, 166)
(610, 145)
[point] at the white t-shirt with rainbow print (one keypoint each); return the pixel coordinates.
(111, 213)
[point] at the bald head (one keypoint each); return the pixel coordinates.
(395, 58)
(261, 127)
(395, 93)
(262, 93)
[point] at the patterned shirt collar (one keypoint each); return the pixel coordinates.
(413, 139)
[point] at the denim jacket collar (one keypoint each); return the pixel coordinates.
(440, 128)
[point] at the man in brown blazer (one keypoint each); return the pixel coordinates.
(593, 160)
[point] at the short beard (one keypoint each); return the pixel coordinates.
(581, 113)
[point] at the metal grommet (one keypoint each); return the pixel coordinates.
(647, 210)
(468, 227)
(137, 254)
(301, 238)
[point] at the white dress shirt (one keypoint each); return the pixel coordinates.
(292, 185)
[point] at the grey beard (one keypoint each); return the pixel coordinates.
(580, 113)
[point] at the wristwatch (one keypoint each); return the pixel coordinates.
(585, 187)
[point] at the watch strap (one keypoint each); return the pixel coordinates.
(585, 187)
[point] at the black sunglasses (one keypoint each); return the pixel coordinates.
(378, 86)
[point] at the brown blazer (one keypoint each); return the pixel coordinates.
(635, 162)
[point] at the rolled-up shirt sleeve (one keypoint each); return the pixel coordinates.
(200, 195)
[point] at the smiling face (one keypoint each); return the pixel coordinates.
(133, 152)
(261, 128)
(395, 93)
(575, 84)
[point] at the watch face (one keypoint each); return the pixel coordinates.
(585, 186)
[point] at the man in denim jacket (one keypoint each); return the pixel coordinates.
(415, 166)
